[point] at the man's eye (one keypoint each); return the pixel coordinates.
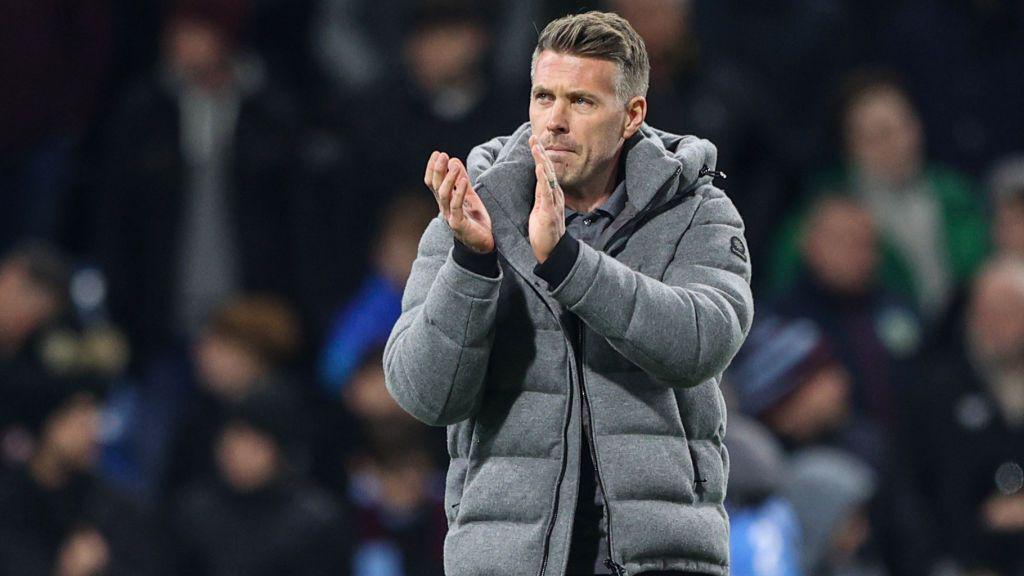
(542, 97)
(583, 102)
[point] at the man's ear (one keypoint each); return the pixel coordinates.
(636, 112)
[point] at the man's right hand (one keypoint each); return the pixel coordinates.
(461, 207)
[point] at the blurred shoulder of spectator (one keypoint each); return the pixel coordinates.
(765, 535)
(831, 491)
(365, 320)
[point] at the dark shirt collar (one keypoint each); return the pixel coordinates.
(611, 207)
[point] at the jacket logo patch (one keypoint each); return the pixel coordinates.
(737, 248)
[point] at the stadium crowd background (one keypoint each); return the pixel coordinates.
(208, 210)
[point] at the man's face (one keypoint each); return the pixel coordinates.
(248, 459)
(841, 247)
(817, 407)
(577, 116)
(1008, 228)
(72, 432)
(883, 137)
(996, 319)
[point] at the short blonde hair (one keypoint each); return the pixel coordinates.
(601, 35)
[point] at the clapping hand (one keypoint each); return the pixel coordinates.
(547, 220)
(461, 207)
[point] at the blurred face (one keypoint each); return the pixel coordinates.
(577, 116)
(226, 367)
(850, 536)
(197, 52)
(818, 407)
(996, 318)
(247, 458)
(445, 54)
(23, 306)
(368, 397)
(883, 137)
(1008, 231)
(72, 433)
(841, 247)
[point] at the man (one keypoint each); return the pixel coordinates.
(568, 317)
(968, 434)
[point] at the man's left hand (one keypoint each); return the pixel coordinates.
(547, 220)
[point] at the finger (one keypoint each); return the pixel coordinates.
(444, 191)
(545, 173)
(556, 189)
(549, 166)
(430, 166)
(543, 195)
(457, 165)
(440, 164)
(538, 159)
(458, 197)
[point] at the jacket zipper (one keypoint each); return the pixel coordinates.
(615, 567)
(610, 563)
(561, 472)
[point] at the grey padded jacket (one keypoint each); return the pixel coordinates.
(664, 307)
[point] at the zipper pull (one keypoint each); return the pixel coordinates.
(705, 171)
(615, 567)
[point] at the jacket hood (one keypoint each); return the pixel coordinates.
(653, 157)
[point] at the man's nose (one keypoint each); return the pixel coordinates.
(558, 120)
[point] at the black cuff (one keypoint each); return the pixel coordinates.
(556, 268)
(482, 264)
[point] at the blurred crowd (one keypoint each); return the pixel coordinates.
(210, 209)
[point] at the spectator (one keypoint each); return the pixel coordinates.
(927, 215)
(874, 332)
(447, 98)
(55, 516)
(788, 377)
(765, 538)
(33, 294)
(199, 165)
(831, 492)
(1006, 186)
(969, 427)
(395, 485)
(366, 320)
(258, 516)
(184, 397)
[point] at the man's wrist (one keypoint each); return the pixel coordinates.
(482, 264)
(559, 263)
